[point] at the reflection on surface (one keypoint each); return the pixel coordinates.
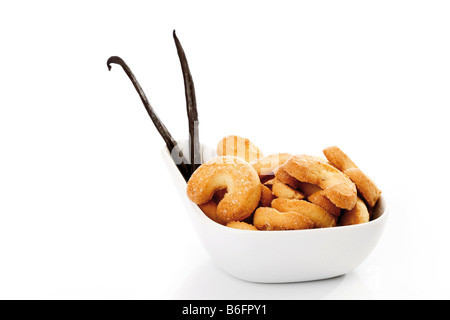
(207, 281)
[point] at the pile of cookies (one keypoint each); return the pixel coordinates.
(243, 189)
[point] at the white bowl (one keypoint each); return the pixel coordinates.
(281, 256)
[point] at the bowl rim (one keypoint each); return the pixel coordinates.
(199, 213)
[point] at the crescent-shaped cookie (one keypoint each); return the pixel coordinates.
(281, 190)
(286, 178)
(233, 174)
(319, 199)
(320, 217)
(336, 185)
(359, 214)
(272, 219)
(241, 225)
(364, 184)
(266, 196)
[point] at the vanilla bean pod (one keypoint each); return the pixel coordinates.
(191, 106)
(171, 144)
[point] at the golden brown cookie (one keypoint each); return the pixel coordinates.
(286, 178)
(364, 184)
(281, 190)
(319, 199)
(266, 196)
(241, 225)
(235, 175)
(320, 217)
(337, 186)
(359, 214)
(338, 158)
(272, 219)
(308, 188)
(210, 210)
(238, 147)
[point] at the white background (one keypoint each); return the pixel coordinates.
(87, 208)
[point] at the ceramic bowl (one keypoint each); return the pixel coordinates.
(281, 256)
